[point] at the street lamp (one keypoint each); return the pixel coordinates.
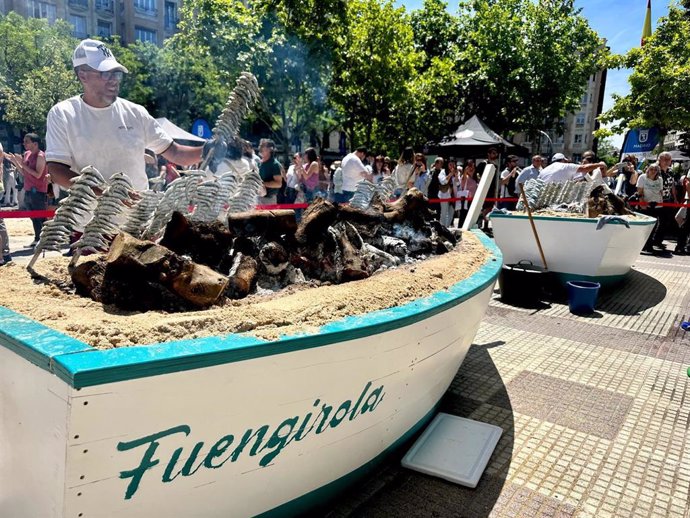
(550, 143)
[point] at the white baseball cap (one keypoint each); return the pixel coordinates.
(95, 54)
(558, 156)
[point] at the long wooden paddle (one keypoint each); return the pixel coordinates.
(531, 222)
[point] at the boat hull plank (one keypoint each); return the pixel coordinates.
(225, 428)
(572, 246)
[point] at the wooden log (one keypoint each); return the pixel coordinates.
(205, 243)
(242, 276)
(354, 266)
(198, 284)
(263, 223)
(132, 261)
(87, 277)
(274, 258)
(315, 221)
(412, 208)
(354, 215)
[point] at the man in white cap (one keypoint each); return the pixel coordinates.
(560, 170)
(100, 129)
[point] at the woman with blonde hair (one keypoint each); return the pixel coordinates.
(404, 172)
(650, 186)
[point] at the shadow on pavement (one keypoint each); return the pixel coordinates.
(477, 392)
(637, 293)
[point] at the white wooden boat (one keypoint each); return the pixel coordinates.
(573, 247)
(222, 426)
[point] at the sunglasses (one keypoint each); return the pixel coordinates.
(110, 74)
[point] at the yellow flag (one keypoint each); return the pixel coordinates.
(647, 28)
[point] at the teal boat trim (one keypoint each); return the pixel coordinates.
(589, 221)
(326, 493)
(80, 365)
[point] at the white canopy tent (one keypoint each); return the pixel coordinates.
(178, 133)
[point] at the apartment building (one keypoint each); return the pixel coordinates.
(576, 135)
(132, 20)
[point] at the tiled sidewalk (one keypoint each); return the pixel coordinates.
(595, 411)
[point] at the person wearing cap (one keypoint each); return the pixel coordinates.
(560, 170)
(100, 129)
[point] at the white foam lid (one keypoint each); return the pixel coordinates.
(454, 448)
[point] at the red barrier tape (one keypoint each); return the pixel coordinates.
(50, 213)
(26, 213)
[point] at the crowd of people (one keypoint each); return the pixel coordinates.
(100, 129)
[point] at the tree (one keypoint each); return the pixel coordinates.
(659, 94)
(436, 34)
(35, 70)
(374, 67)
(607, 152)
(524, 64)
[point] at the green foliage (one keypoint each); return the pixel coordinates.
(659, 94)
(524, 64)
(388, 77)
(35, 70)
(224, 29)
(607, 152)
(436, 32)
(374, 70)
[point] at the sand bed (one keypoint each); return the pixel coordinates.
(17, 227)
(295, 309)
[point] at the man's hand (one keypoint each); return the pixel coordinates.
(214, 152)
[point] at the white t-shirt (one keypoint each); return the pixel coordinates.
(444, 179)
(651, 188)
(111, 139)
(291, 178)
(402, 174)
(559, 172)
(353, 172)
(504, 193)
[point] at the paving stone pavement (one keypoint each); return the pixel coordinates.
(595, 411)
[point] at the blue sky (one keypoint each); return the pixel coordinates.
(619, 21)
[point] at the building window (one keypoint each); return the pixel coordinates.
(580, 120)
(81, 4)
(147, 6)
(79, 24)
(104, 5)
(104, 29)
(43, 10)
(170, 16)
(142, 34)
(577, 139)
(583, 102)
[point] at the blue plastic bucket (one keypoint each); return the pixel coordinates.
(582, 296)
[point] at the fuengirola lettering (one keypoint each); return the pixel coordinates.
(289, 430)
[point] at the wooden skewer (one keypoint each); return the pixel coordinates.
(531, 222)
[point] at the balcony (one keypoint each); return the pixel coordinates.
(81, 5)
(105, 6)
(146, 10)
